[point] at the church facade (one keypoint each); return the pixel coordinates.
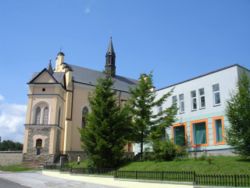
(58, 104)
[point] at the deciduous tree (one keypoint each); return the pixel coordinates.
(238, 113)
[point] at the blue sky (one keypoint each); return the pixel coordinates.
(175, 39)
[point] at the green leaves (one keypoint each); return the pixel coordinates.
(149, 125)
(238, 113)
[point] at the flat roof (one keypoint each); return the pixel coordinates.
(212, 72)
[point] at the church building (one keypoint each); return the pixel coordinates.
(58, 102)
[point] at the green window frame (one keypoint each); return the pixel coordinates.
(200, 133)
(218, 130)
(179, 135)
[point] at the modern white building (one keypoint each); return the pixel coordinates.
(201, 101)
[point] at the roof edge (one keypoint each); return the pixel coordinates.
(202, 75)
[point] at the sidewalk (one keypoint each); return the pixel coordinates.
(110, 181)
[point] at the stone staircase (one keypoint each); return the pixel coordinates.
(37, 165)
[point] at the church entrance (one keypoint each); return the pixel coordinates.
(38, 146)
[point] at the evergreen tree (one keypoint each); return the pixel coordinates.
(105, 134)
(238, 113)
(147, 124)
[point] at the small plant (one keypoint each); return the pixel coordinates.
(202, 157)
(181, 152)
(148, 155)
(164, 150)
(209, 160)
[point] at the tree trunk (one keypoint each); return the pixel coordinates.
(141, 158)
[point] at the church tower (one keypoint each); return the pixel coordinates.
(110, 67)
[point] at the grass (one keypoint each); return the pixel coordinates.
(219, 165)
(15, 168)
(83, 164)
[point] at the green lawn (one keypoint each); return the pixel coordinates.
(83, 164)
(15, 168)
(219, 165)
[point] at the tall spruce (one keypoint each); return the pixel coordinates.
(105, 134)
(238, 113)
(149, 125)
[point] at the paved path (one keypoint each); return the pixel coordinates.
(8, 184)
(109, 181)
(38, 180)
(55, 179)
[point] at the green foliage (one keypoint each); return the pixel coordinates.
(108, 126)
(238, 113)
(149, 126)
(8, 145)
(164, 150)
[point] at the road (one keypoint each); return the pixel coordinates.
(9, 184)
(38, 180)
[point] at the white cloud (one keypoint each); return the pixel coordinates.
(1, 98)
(88, 4)
(87, 10)
(12, 118)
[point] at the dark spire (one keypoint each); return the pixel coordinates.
(110, 67)
(110, 47)
(49, 68)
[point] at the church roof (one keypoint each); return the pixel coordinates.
(90, 77)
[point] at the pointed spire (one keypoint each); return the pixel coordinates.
(111, 50)
(110, 67)
(49, 68)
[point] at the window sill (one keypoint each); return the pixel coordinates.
(215, 105)
(219, 143)
(199, 145)
(193, 110)
(203, 108)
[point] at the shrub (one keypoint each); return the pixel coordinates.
(181, 152)
(164, 150)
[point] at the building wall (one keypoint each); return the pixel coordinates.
(227, 80)
(81, 96)
(52, 96)
(10, 158)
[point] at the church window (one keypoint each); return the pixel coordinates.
(46, 116)
(84, 116)
(37, 115)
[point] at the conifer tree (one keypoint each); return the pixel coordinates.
(238, 113)
(147, 124)
(105, 134)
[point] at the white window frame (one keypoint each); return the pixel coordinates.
(181, 103)
(193, 100)
(200, 98)
(174, 100)
(216, 92)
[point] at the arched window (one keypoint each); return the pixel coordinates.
(39, 144)
(41, 113)
(46, 115)
(84, 116)
(37, 115)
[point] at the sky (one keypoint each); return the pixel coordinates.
(176, 39)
